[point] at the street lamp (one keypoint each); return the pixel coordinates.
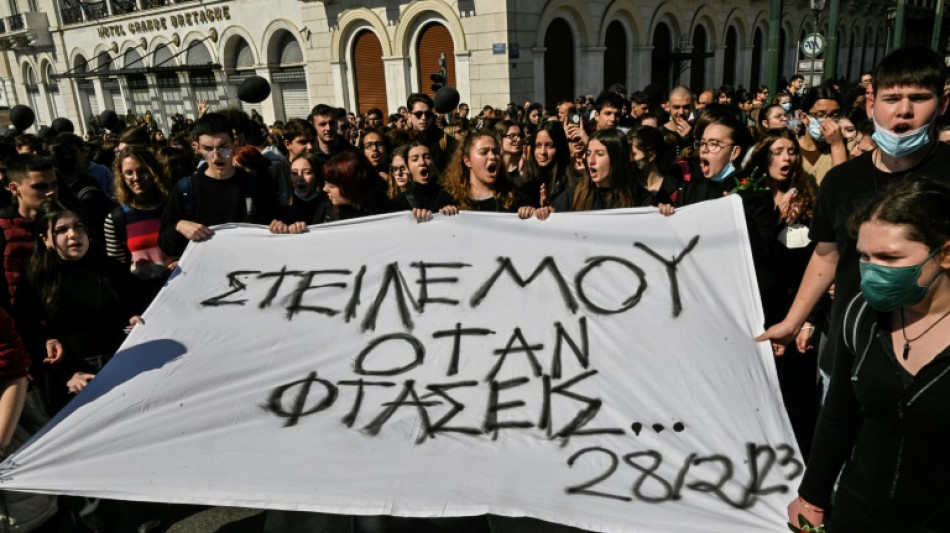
(816, 8)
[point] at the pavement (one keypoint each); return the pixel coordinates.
(198, 519)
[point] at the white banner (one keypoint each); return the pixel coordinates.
(595, 369)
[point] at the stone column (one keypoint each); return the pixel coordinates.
(744, 66)
(270, 105)
(463, 75)
(397, 90)
(45, 100)
(343, 91)
(100, 94)
(714, 72)
(589, 78)
(641, 68)
(538, 55)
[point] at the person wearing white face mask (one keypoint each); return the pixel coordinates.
(908, 87)
(822, 145)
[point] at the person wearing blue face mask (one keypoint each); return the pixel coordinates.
(822, 144)
(886, 421)
(721, 141)
(908, 86)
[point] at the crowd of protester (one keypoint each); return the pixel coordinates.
(92, 229)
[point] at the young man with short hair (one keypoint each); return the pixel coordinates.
(908, 87)
(679, 106)
(423, 125)
(217, 193)
(32, 182)
(607, 109)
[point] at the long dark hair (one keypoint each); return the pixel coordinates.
(761, 158)
(622, 192)
(45, 269)
(557, 171)
(917, 204)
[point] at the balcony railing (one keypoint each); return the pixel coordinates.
(72, 15)
(3, 26)
(96, 10)
(150, 4)
(15, 22)
(120, 7)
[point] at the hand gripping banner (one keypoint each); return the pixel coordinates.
(594, 369)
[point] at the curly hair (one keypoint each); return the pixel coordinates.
(154, 169)
(761, 158)
(458, 179)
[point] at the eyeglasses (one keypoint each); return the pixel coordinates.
(712, 147)
(378, 145)
(398, 170)
(514, 136)
(223, 151)
(835, 116)
(421, 114)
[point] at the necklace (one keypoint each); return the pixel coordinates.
(904, 332)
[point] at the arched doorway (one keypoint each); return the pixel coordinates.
(755, 77)
(615, 57)
(87, 92)
(137, 84)
(662, 47)
(730, 56)
(289, 76)
(33, 97)
(697, 67)
(239, 64)
(434, 42)
(558, 62)
(369, 75)
(55, 95)
(167, 82)
(201, 75)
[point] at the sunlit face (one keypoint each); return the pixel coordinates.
(513, 140)
(68, 237)
(887, 245)
(326, 126)
(534, 117)
(420, 164)
(35, 190)
(335, 194)
(483, 160)
(905, 108)
(679, 106)
(598, 163)
(137, 177)
(399, 170)
(216, 150)
(375, 149)
(544, 151)
(420, 116)
(607, 117)
(299, 145)
(303, 178)
(717, 149)
(783, 155)
(848, 131)
(776, 119)
(822, 109)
